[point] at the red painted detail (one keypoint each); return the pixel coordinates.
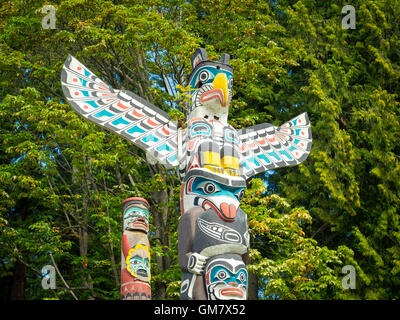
(121, 105)
(165, 131)
(126, 276)
(125, 245)
(75, 80)
(134, 288)
(79, 68)
(152, 123)
(228, 211)
(190, 182)
(181, 198)
(191, 143)
(302, 144)
(242, 148)
(261, 142)
(218, 212)
(136, 199)
(213, 94)
(232, 291)
(85, 107)
(196, 119)
(76, 93)
(137, 114)
(272, 139)
(251, 145)
(208, 277)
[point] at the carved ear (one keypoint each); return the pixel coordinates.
(224, 58)
(199, 56)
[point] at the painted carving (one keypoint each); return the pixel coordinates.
(135, 255)
(213, 161)
(226, 278)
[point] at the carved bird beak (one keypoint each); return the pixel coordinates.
(221, 82)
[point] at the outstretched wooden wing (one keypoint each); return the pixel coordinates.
(120, 111)
(266, 147)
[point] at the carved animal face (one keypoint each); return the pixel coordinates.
(226, 278)
(212, 82)
(210, 191)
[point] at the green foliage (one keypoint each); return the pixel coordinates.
(62, 179)
(290, 265)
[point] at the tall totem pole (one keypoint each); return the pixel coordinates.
(213, 161)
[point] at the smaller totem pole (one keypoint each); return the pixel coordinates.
(135, 253)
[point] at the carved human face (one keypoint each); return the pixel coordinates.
(136, 219)
(138, 262)
(226, 278)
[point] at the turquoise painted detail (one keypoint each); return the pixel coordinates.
(213, 72)
(150, 138)
(87, 73)
(273, 154)
(221, 274)
(92, 103)
(245, 165)
(120, 120)
(173, 158)
(292, 148)
(203, 130)
(254, 161)
(135, 129)
(83, 81)
(163, 147)
(284, 153)
(103, 113)
(231, 136)
(263, 157)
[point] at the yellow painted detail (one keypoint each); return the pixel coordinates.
(230, 162)
(221, 82)
(212, 158)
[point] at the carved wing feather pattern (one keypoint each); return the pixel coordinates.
(265, 147)
(120, 111)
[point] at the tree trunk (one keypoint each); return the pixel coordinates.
(18, 283)
(252, 290)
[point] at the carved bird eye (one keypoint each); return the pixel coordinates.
(230, 84)
(204, 76)
(209, 188)
(240, 194)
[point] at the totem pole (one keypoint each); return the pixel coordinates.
(213, 161)
(135, 250)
